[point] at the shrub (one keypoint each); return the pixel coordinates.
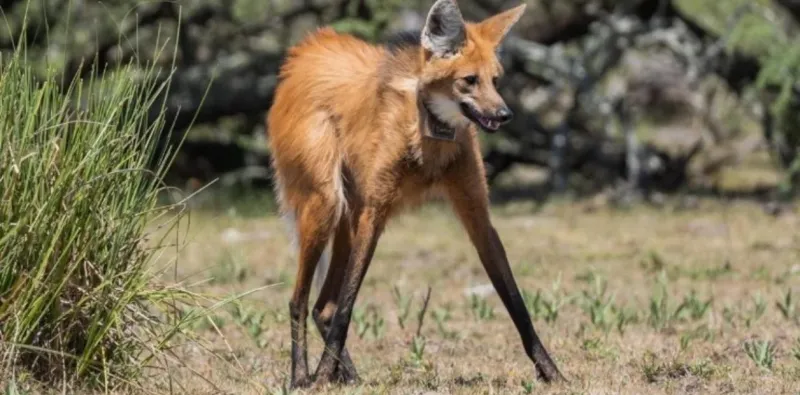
(79, 181)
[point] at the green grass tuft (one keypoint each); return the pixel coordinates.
(79, 186)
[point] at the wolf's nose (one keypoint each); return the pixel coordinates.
(504, 114)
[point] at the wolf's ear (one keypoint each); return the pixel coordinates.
(496, 27)
(444, 33)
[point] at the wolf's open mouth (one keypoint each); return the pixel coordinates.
(490, 124)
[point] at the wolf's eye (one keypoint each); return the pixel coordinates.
(494, 81)
(471, 79)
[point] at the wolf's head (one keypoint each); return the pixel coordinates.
(461, 67)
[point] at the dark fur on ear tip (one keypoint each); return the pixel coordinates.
(444, 30)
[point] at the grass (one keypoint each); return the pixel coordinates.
(80, 303)
(638, 301)
(614, 321)
(761, 352)
(643, 300)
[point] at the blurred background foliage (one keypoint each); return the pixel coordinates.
(635, 97)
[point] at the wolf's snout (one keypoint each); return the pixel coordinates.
(504, 115)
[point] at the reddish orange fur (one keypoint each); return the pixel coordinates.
(339, 78)
(345, 133)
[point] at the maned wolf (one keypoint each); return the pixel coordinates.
(357, 132)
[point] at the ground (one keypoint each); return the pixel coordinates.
(653, 300)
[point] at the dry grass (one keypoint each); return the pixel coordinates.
(607, 268)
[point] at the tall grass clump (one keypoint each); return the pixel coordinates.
(78, 194)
